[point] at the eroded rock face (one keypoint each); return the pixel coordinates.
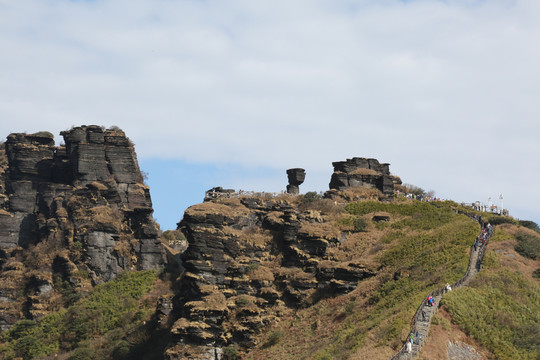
(296, 178)
(250, 259)
(84, 202)
(358, 172)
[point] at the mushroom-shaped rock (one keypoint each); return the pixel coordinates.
(296, 177)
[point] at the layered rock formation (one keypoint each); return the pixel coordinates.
(358, 172)
(296, 178)
(249, 260)
(77, 214)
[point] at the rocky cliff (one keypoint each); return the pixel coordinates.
(249, 260)
(71, 216)
(357, 172)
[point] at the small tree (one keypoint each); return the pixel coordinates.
(310, 197)
(412, 189)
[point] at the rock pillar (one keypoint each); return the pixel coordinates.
(296, 177)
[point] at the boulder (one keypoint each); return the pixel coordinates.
(357, 172)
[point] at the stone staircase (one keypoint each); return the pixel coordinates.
(421, 322)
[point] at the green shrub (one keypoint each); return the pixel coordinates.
(360, 225)
(536, 273)
(29, 347)
(391, 236)
(325, 354)
(252, 267)
(529, 224)
(231, 353)
(77, 245)
(413, 189)
(310, 197)
(437, 320)
(357, 224)
(110, 306)
(82, 354)
(273, 339)
(242, 301)
(498, 220)
(21, 329)
(528, 245)
(349, 308)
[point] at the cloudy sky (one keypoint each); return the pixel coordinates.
(232, 93)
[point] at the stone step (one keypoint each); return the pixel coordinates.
(422, 326)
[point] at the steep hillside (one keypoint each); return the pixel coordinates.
(71, 217)
(264, 276)
(500, 310)
(301, 277)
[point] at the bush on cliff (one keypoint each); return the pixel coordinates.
(110, 306)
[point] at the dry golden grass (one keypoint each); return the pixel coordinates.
(13, 264)
(261, 273)
(361, 193)
(326, 207)
(294, 273)
(5, 213)
(319, 230)
(97, 185)
(61, 213)
(223, 207)
(275, 217)
(181, 325)
(123, 248)
(215, 301)
(361, 171)
(255, 237)
(106, 215)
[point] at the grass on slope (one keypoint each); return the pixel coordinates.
(501, 310)
(423, 247)
(111, 309)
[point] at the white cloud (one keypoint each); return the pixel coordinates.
(444, 91)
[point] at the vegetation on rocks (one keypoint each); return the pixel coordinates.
(422, 247)
(110, 312)
(248, 276)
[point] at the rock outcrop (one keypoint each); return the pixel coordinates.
(80, 212)
(358, 172)
(296, 178)
(250, 259)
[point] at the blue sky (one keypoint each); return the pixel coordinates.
(175, 185)
(234, 92)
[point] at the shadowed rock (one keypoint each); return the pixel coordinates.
(358, 172)
(296, 178)
(86, 197)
